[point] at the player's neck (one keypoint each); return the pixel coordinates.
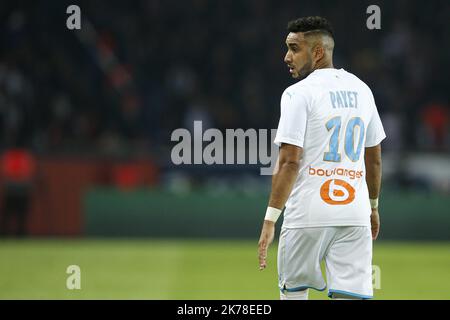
(324, 65)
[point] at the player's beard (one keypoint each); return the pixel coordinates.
(305, 71)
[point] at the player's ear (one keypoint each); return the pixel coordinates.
(318, 52)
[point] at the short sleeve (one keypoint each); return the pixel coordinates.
(375, 131)
(292, 124)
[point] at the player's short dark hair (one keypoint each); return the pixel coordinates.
(313, 23)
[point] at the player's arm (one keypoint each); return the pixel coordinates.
(284, 178)
(283, 181)
(373, 179)
(290, 137)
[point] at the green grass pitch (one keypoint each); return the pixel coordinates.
(202, 269)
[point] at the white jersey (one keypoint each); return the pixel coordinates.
(332, 115)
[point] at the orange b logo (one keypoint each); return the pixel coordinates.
(337, 191)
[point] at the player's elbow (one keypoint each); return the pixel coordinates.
(290, 157)
(377, 162)
(373, 162)
(373, 156)
(290, 164)
(373, 166)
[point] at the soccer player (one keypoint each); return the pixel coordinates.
(328, 173)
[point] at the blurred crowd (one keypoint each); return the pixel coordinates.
(137, 70)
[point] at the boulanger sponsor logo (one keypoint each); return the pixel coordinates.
(337, 192)
(352, 174)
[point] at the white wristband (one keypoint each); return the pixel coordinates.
(374, 203)
(272, 214)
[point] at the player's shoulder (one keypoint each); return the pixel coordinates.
(297, 90)
(354, 78)
(368, 94)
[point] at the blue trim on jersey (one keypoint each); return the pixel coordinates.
(331, 291)
(301, 288)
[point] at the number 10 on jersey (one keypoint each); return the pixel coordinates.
(349, 139)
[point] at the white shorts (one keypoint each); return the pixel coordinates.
(347, 252)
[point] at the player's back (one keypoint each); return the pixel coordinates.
(332, 115)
